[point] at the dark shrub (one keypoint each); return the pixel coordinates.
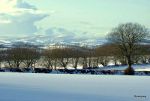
(42, 70)
(2, 70)
(129, 71)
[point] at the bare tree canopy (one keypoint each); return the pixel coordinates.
(128, 33)
(127, 36)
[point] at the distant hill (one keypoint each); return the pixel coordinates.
(45, 41)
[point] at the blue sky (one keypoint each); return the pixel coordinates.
(69, 18)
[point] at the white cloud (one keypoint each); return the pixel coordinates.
(62, 34)
(22, 4)
(18, 17)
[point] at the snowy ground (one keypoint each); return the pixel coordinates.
(141, 67)
(54, 87)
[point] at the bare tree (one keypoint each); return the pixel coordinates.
(14, 57)
(49, 59)
(104, 53)
(59, 56)
(64, 56)
(127, 36)
(2, 55)
(75, 56)
(30, 56)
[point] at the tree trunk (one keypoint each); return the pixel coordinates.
(84, 63)
(75, 62)
(129, 70)
(55, 64)
(129, 61)
(97, 61)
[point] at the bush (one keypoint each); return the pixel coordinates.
(129, 71)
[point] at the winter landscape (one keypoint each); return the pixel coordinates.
(73, 50)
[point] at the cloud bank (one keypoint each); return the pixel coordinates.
(17, 17)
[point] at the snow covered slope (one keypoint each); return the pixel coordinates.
(50, 87)
(46, 40)
(138, 67)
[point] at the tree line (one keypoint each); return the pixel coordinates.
(56, 58)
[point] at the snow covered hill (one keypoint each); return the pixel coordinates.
(51, 87)
(46, 40)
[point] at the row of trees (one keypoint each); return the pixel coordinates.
(31, 57)
(15, 57)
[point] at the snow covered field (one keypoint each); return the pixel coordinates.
(54, 87)
(140, 67)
